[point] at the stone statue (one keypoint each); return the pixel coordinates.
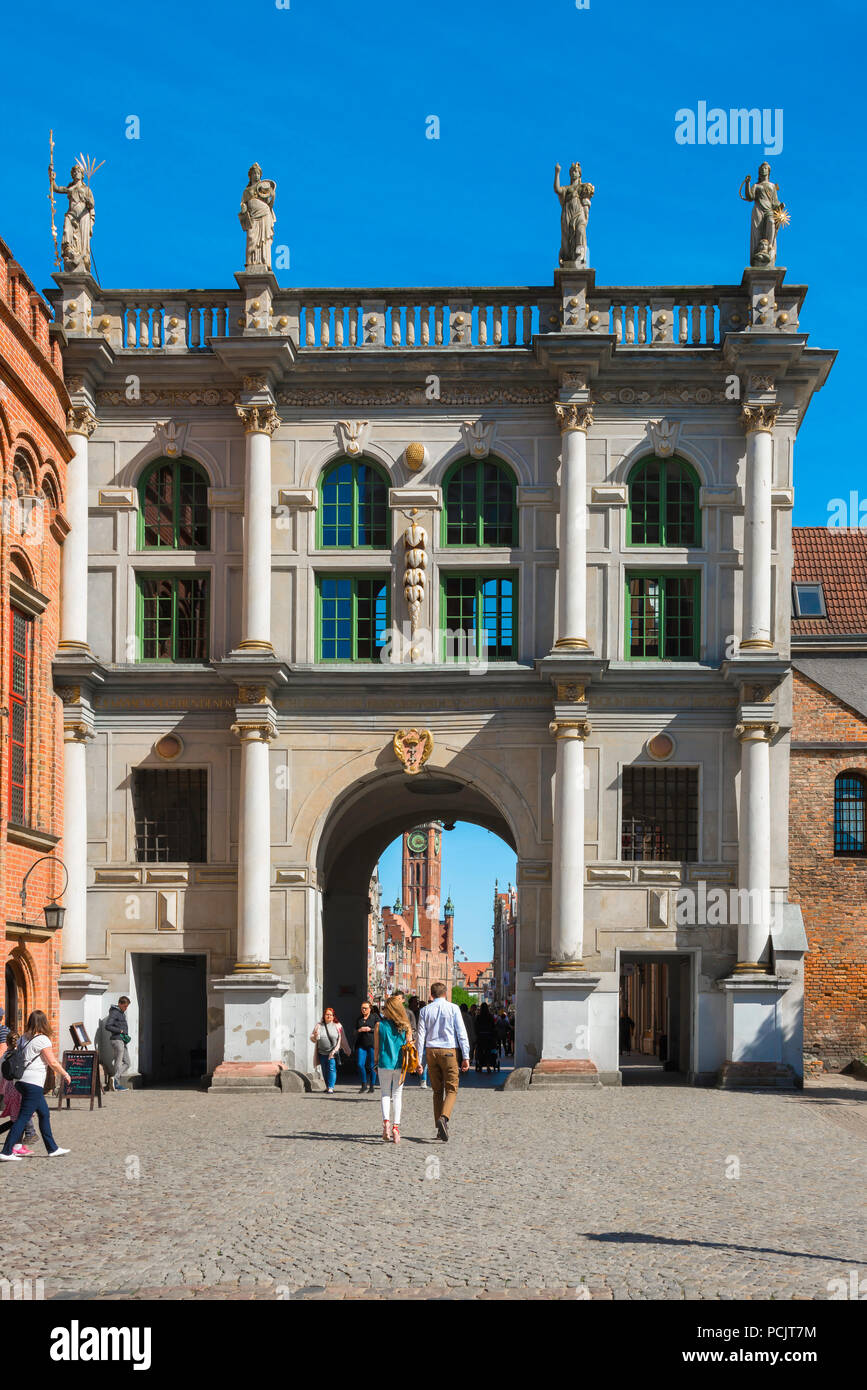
(574, 212)
(78, 221)
(257, 218)
(769, 214)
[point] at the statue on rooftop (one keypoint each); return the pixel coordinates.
(769, 214)
(574, 212)
(257, 218)
(78, 220)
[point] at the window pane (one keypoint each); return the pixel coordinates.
(462, 518)
(645, 494)
(372, 508)
(193, 514)
(337, 506)
(644, 614)
(810, 603)
(679, 618)
(461, 610)
(174, 615)
(170, 810)
(497, 619)
(849, 817)
(336, 619)
(372, 618)
(497, 507)
(680, 508)
(660, 814)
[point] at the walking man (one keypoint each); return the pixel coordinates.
(441, 1031)
(116, 1026)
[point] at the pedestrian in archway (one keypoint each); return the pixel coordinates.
(38, 1056)
(441, 1033)
(330, 1039)
(364, 1050)
(392, 1032)
(470, 1025)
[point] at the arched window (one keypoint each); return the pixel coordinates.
(173, 506)
(22, 476)
(354, 512)
(850, 800)
(480, 504)
(663, 503)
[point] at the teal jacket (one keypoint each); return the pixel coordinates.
(391, 1040)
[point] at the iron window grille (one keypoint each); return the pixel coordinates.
(171, 817)
(662, 616)
(354, 513)
(173, 617)
(173, 507)
(663, 504)
(850, 828)
(480, 505)
(660, 814)
(352, 616)
(20, 676)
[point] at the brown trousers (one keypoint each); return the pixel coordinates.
(443, 1075)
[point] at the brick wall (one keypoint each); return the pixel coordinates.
(33, 406)
(832, 891)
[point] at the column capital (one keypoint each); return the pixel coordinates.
(571, 416)
(571, 728)
(259, 419)
(759, 419)
(257, 731)
(77, 731)
(80, 419)
(756, 731)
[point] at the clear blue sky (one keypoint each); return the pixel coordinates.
(464, 849)
(331, 97)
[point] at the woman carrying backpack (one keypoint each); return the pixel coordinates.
(329, 1037)
(392, 1033)
(30, 1062)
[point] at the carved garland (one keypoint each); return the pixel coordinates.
(414, 578)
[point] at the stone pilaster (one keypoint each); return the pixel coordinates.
(81, 423)
(758, 422)
(574, 419)
(260, 423)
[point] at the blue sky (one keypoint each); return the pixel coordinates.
(464, 849)
(332, 98)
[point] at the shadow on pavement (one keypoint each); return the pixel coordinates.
(640, 1238)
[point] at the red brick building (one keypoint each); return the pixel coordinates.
(419, 943)
(828, 798)
(505, 943)
(34, 452)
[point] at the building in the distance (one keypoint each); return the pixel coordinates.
(828, 797)
(422, 941)
(477, 978)
(375, 940)
(34, 452)
(505, 943)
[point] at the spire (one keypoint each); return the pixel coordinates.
(398, 908)
(415, 930)
(449, 908)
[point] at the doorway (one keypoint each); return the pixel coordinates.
(13, 1000)
(171, 993)
(655, 1042)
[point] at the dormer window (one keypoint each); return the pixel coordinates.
(808, 601)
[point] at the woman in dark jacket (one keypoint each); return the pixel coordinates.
(364, 1026)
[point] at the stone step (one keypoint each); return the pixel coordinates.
(565, 1078)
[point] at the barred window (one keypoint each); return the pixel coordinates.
(170, 810)
(660, 814)
(850, 795)
(20, 654)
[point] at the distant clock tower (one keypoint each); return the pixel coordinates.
(422, 875)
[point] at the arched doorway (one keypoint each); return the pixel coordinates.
(12, 999)
(370, 815)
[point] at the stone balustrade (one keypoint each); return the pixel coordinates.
(466, 318)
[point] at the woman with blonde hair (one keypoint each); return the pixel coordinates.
(390, 1034)
(35, 1043)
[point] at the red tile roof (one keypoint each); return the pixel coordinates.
(836, 558)
(472, 969)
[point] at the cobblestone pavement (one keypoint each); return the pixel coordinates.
(611, 1193)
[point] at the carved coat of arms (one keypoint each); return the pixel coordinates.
(413, 747)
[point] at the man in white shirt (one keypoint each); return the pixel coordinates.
(441, 1033)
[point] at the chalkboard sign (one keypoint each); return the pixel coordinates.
(83, 1068)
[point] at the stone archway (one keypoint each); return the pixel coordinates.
(367, 818)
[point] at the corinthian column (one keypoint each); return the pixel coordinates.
(260, 422)
(758, 422)
(76, 735)
(81, 422)
(574, 421)
(254, 841)
(754, 838)
(567, 863)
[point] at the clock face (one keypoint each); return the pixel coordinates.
(437, 843)
(417, 841)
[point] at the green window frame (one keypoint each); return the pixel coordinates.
(172, 617)
(477, 601)
(173, 506)
(663, 617)
(353, 613)
(663, 505)
(480, 505)
(353, 512)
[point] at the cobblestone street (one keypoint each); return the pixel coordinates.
(607, 1194)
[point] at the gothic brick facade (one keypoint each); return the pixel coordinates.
(34, 452)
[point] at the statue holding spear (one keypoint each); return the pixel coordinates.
(80, 215)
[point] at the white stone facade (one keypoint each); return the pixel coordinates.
(304, 788)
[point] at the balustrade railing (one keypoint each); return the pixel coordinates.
(465, 318)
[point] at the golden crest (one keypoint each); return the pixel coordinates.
(413, 747)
